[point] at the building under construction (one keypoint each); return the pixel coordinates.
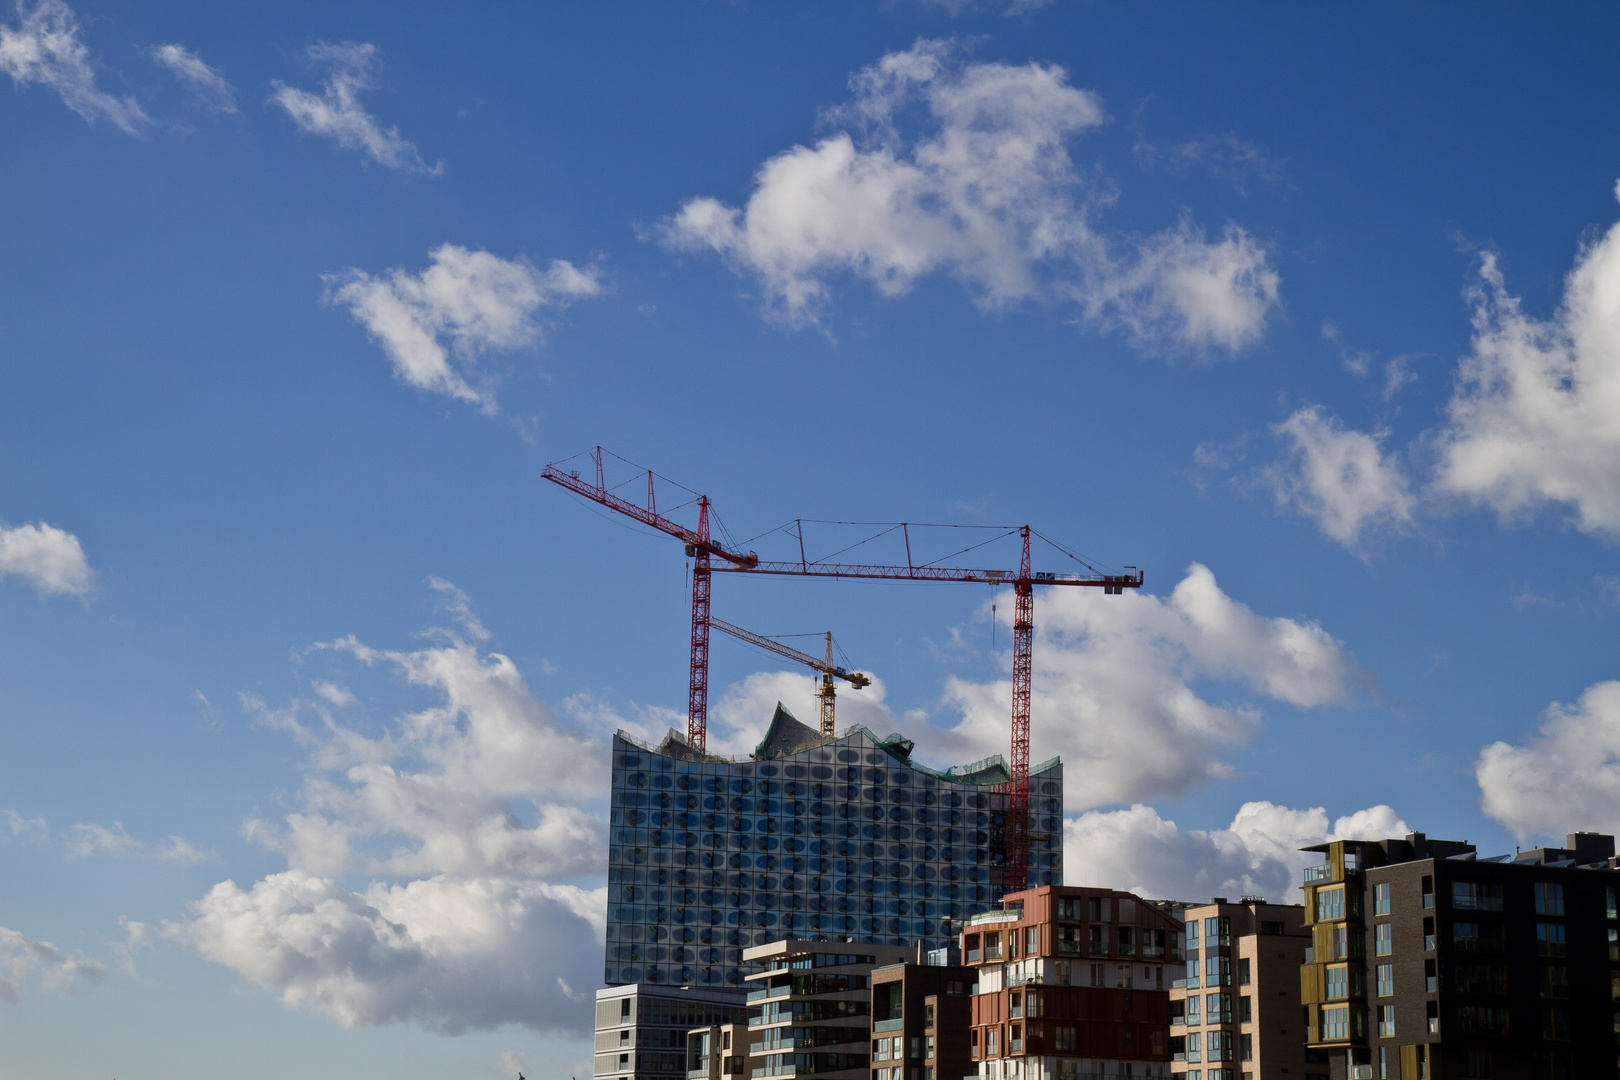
(812, 837)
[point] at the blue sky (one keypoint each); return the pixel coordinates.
(306, 674)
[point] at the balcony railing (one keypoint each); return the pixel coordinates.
(1428, 900)
(769, 992)
(780, 1070)
(889, 1025)
(1432, 984)
(999, 915)
(1318, 873)
(1182, 984)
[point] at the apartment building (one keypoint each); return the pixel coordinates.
(922, 1013)
(1073, 983)
(1235, 1015)
(718, 1052)
(811, 836)
(1429, 962)
(811, 1007)
(641, 1030)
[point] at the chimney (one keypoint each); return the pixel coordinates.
(922, 958)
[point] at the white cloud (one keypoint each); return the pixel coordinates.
(448, 953)
(92, 839)
(206, 82)
(1114, 686)
(337, 114)
(24, 962)
(1341, 479)
(49, 559)
(30, 830)
(469, 816)
(1535, 417)
(511, 1063)
(1565, 777)
(44, 48)
(434, 325)
(986, 192)
(1257, 855)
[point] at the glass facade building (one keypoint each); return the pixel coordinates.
(812, 837)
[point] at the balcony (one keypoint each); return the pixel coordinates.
(769, 992)
(1432, 984)
(1182, 984)
(698, 1074)
(888, 1025)
(1318, 873)
(998, 916)
(780, 1070)
(1428, 943)
(1428, 901)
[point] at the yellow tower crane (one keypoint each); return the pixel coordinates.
(828, 669)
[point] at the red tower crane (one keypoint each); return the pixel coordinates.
(702, 549)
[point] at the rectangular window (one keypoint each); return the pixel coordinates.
(1217, 971)
(1555, 982)
(992, 946)
(1330, 903)
(928, 1015)
(1273, 929)
(1481, 978)
(1386, 980)
(916, 1046)
(1218, 1009)
(1476, 895)
(1032, 940)
(1192, 1009)
(928, 1043)
(1192, 931)
(1384, 938)
(1015, 1038)
(880, 1049)
(1065, 907)
(1192, 970)
(1063, 1039)
(1381, 898)
(1063, 971)
(1555, 1022)
(972, 943)
(1609, 899)
(1550, 939)
(1482, 1020)
(1549, 898)
(1245, 1009)
(992, 1042)
(1098, 939)
(1098, 978)
(1248, 1047)
(1127, 941)
(1122, 976)
(1195, 1046)
(1336, 1023)
(1017, 1005)
(1386, 1021)
(1614, 943)
(1218, 1046)
(1032, 1003)
(1097, 909)
(1479, 937)
(1243, 971)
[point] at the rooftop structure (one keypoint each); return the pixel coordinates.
(838, 838)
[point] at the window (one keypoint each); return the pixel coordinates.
(1272, 929)
(1243, 971)
(1476, 895)
(880, 1049)
(1386, 980)
(1609, 903)
(1336, 1023)
(992, 946)
(1195, 1046)
(1032, 1003)
(972, 942)
(1098, 943)
(1476, 1064)
(916, 1046)
(1384, 938)
(1383, 1063)
(1065, 908)
(1192, 970)
(1248, 1046)
(1482, 1020)
(1127, 941)
(725, 1041)
(624, 1008)
(1098, 978)
(1122, 976)
(1550, 939)
(1386, 1021)
(1338, 982)
(1330, 903)
(1032, 940)
(1015, 1038)
(1478, 937)
(1017, 1003)
(1192, 930)
(1218, 1009)
(1555, 1022)
(1217, 971)
(1245, 1009)
(1381, 898)
(1481, 979)
(1549, 898)
(1614, 943)
(1063, 970)
(1555, 982)
(992, 1042)
(1217, 931)
(1217, 1046)
(1192, 1009)
(1063, 1039)
(928, 1015)
(1097, 909)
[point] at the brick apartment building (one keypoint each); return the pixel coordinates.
(1236, 1016)
(1073, 983)
(1430, 963)
(921, 1016)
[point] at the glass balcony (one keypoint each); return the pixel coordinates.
(1318, 873)
(888, 1025)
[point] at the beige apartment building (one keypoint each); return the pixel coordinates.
(1236, 1015)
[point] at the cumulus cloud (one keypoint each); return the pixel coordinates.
(26, 963)
(27, 830)
(1341, 479)
(1114, 686)
(985, 190)
(206, 82)
(1534, 420)
(49, 559)
(449, 953)
(44, 48)
(1565, 777)
(435, 325)
(466, 819)
(1257, 855)
(336, 112)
